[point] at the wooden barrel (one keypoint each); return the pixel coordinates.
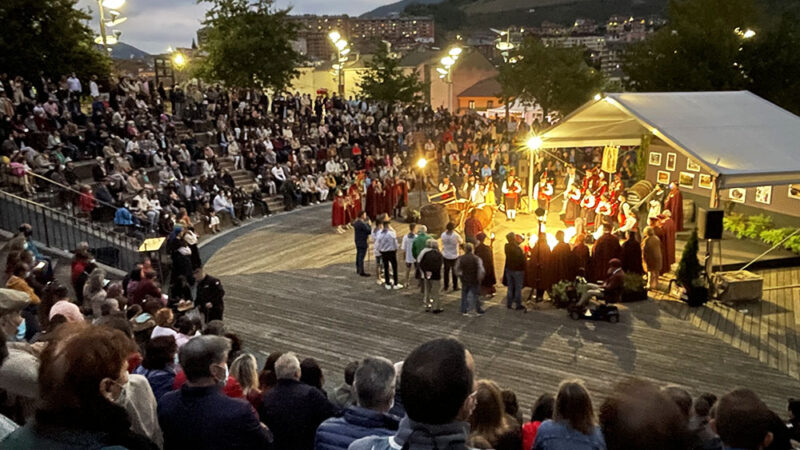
(435, 217)
(485, 214)
(639, 191)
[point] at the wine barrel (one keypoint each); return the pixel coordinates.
(435, 217)
(639, 191)
(485, 215)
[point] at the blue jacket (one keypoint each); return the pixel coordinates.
(123, 217)
(418, 436)
(362, 231)
(559, 436)
(205, 418)
(293, 411)
(160, 380)
(337, 433)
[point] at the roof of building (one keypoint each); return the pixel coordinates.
(738, 137)
(489, 87)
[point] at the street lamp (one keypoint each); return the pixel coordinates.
(505, 46)
(342, 49)
(421, 163)
(747, 33)
(113, 6)
(179, 60)
(446, 72)
(534, 143)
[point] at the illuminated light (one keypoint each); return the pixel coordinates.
(535, 143)
(455, 51)
(341, 44)
(421, 163)
(504, 46)
(179, 60)
(334, 36)
(513, 60)
(654, 131)
(110, 40)
(448, 61)
(112, 4)
(116, 21)
(597, 97)
(345, 51)
(748, 34)
(442, 71)
(336, 67)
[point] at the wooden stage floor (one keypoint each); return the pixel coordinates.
(291, 285)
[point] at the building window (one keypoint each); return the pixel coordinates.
(489, 104)
(472, 104)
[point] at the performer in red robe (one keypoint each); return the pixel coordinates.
(573, 209)
(632, 254)
(560, 259)
(579, 258)
(372, 204)
(605, 249)
(670, 230)
(354, 195)
(538, 274)
(389, 196)
(401, 195)
(674, 203)
(338, 214)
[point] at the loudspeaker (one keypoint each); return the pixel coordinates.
(709, 223)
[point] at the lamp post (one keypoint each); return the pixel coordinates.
(446, 72)
(342, 50)
(505, 46)
(113, 6)
(421, 163)
(533, 144)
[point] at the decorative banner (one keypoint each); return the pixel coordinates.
(610, 156)
(764, 194)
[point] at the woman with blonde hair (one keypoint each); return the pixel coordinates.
(489, 421)
(574, 425)
(245, 370)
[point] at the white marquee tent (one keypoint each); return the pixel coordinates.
(740, 138)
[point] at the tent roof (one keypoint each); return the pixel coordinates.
(741, 138)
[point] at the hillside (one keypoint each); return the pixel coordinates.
(122, 50)
(396, 7)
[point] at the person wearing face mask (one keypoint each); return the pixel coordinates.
(199, 415)
(82, 375)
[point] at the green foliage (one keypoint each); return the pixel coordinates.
(640, 170)
(51, 36)
(385, 81)
(750, 227)
(557, 78)
(735, 223)
(777, 235)
(447, 15)
(249, 45)
(633, 282)
(689, 268)
(699, 51)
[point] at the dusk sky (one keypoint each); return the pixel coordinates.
(154, 25)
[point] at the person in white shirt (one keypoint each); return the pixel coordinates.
(450, 243)
(277, 173)
(407, 244)
(333, 167)
(386, 243)
(74, 84)
(322, 188)
(94, 91)
(375, 251)
(223, 203)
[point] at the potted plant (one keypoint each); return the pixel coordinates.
(689, 275)
(633, 288)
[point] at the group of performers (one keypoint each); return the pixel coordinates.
(388, 196)
(596, 201)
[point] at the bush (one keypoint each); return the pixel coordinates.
(775, 236)
(756, 225)
(735, 223)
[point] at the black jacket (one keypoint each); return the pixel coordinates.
(432, 262)
(293, 411)
(209, 290)
(362, 233)
(515, 259)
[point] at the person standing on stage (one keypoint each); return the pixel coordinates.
(514, 271)
(472, 226)
(674, 204)
(605, 249)
(538, 268)
(210, 295)
(651, 256)
(669, 227)
(362, 233)
(430, 269)
(543, 192)
(511, 190)
(450, 242)
(408, 250)
(484, 252)
(339, 211)
(471, 271)
(386, 243)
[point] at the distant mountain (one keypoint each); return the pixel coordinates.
(396, 7)
(122, 50)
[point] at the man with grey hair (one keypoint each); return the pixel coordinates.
(375, 385)
(293, 410)
(200, 415)
(470, 269)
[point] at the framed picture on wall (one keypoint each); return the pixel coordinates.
(655, 159)
(672, 160)
(663, 177)
(686, 180)
(794, 191)
(737, 195)
(705, 181)
(691, 165)
(764, 194)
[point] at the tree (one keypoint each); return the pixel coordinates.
(248, 45)
(557, 78)
(704, 49)
(51, 37)
(385, 81)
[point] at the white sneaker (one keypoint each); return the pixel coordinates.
(398, 286)
(388, 287)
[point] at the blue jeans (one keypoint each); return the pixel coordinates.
(514, 281)
(470, 298)
(361, 252)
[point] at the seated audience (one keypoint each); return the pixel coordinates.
(573, 425)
